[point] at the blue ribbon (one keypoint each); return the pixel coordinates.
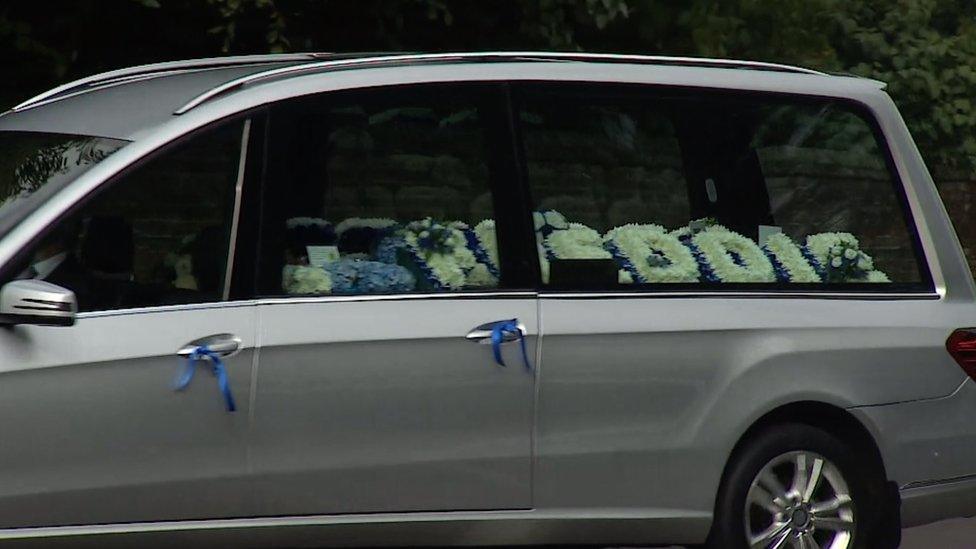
(217, 366)
(499, 331)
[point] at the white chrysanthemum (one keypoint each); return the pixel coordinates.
(447, 271)
(836, 262)
(480, 277)
(577, 242)
(850, 253)
(549, 218)
(447, 268)
(638, 242)
(715, 244)
(363, 222)
(820, 245)
(865, 263)
(877, 276)
(789, 255)
(485, 231)
(304, 280)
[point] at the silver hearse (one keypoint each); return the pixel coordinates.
(477, 299)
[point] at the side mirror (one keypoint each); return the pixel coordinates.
(37, 302)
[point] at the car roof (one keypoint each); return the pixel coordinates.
(126, 103)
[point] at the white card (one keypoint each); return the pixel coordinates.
(320, 255)
(766, 231)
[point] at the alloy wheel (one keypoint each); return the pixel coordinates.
(799, 499)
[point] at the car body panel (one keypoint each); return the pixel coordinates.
(383, 405)
(94, 432)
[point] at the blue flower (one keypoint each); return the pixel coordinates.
(369, 277)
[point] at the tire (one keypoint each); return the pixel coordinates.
(770, 462)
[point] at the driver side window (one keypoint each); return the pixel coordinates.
(158, 235)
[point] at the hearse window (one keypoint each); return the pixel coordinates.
(157, 235)
(640, 188)
(379, 192)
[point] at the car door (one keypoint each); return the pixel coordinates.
(705, 254)
(398, 336)
(94, 430)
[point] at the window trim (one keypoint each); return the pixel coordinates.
(923, 289)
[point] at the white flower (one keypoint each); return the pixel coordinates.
(363, 222)
(850, 253)
(301, 279)
(485, 231)
(548, 218)
(836, 262)
(637, 243)
(576, 242)
(789, 255)
(877, 276)
(448, 269)
(865, 263)
(716, 243)
(480, 277)
(820, 245)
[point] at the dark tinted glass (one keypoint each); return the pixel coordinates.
(35, 165)
(157, 235)
(380, 191)
(640, 186)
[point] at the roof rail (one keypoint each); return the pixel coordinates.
(389, 59)
(159, 69)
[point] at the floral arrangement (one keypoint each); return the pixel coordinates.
(378, 255)
(789, 260)
(649, 254)
(727, 256)
(840, 258)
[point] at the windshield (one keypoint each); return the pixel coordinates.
(33, 166)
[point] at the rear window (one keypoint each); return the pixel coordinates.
(647, 188)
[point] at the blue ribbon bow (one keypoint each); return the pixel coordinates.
(217, 366)
(497, 334)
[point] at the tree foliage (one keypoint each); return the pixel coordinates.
(924, 49)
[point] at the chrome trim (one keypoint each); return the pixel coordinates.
(167, 309)
(168, 66)
(873, 296)
(549, 526)
(513, 294)
(284, 300)
(365, 62)
(235, 220)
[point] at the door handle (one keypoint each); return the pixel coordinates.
(222, 345)
(482, 334)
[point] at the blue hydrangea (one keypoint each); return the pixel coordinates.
(369, 277)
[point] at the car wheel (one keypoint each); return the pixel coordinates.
(793, 485)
